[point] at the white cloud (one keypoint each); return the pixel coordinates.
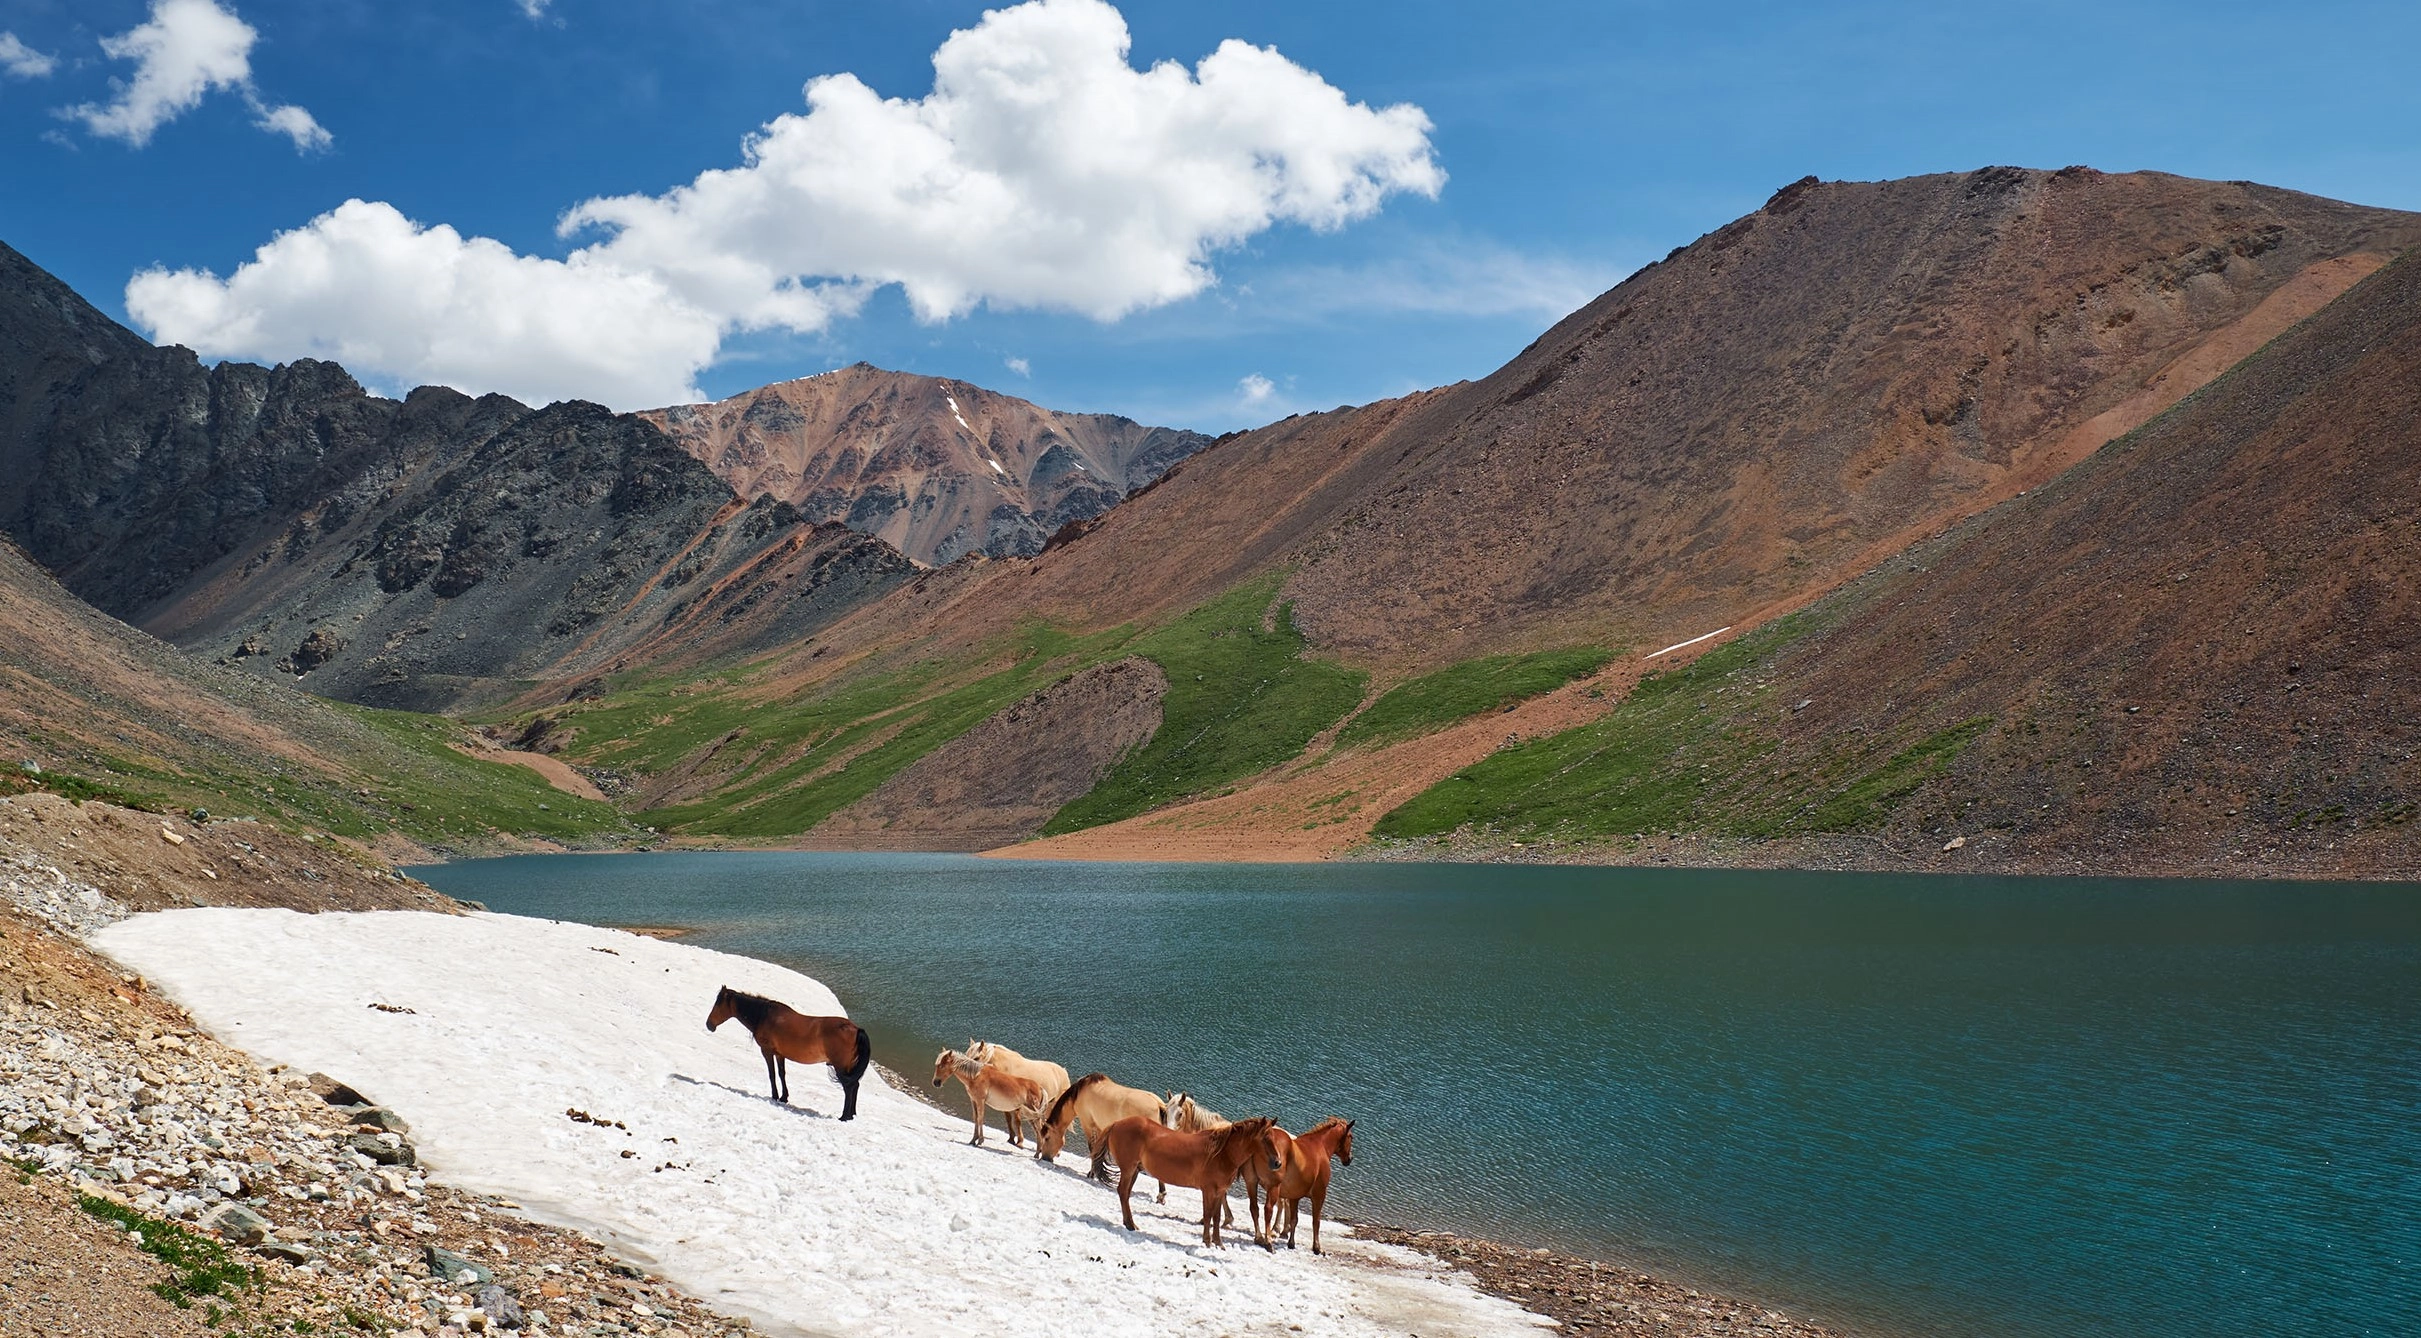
(367, 287)
(189, 49)
(1018, 365)
(1043, 170)
(295, 124)
(1255, 389)
(534, 9)
(23, 61)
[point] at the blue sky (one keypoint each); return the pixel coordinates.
(1575, 141)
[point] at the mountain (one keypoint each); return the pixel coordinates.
(90, 707)
(1725, 436)
(938, 469)
(2192, 652)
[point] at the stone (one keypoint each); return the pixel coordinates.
(502, 1310)
(235, 1222)
(381, 1118)
(1954, 843)
(286, 1250)
(451, 1266)
(335, 1093)
(384, 1149)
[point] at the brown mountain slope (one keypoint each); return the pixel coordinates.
(936, 468)
(1761, 414)
(2196, 651)
(87, 700)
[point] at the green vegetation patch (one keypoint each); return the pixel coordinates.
(1697, 749)
(1433, 701)
(778, 768)
(1241, 699)
(198, 1266)
(19, 781)
(453, 797)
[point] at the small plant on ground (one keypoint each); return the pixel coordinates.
(198, 1266)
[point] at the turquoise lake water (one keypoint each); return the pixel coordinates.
(1908, 1105)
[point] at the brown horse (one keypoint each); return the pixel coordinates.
(785, 1034)
(991, 1087)
(1097, 1103)
(1185, 1115)
(1303, 1173)
(1208, 1161)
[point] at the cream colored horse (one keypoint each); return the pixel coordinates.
(1052, 1078)
(1097, 1103)
(991, 1088)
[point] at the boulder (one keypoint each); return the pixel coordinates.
(451, 1266)
(335, 1093)
(502, 1310)
(235, 1222)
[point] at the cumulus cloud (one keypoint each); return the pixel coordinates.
(367, 287)
(1255, 389)
(1042, 171)
(1018, 365)
(189, 49)
(22, 61)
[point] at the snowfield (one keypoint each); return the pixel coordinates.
(889, 1224)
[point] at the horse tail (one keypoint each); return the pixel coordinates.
(865, 1056)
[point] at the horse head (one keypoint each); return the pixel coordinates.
(1173, 1111)
(941, 1065)
(725, 1007)
(1345, 1145)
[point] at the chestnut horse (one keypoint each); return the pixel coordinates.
(785, 1034)
(1098, 1103)
(991, 1087)
(1186, 1115)
(1208, 1161)
(1303, 1173)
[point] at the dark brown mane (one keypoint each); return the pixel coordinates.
(1333, 1121)
(753, 1009)
(1063, 1111)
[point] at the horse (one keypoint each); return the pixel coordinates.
(991, 1087)
(1052, 1077)
(785, 1034)
(1184, 1114)
(1303, 1173)
(1208, 1161)
(1098, 1103)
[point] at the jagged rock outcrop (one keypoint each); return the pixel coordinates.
(937, 468)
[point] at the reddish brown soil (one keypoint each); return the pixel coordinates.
(151, 862)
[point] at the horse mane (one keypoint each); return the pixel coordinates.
(752, 1009)
(1332, 1122)
(1219, 1137)
(1063, 1111)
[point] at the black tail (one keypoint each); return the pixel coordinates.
(856, 1070)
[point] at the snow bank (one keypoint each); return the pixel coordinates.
(889, 1224)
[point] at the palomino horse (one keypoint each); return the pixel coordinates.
(1186, 1115)
(1052, 1077)
(1097, 1103)
(991, 1087)
(785, 1034)
(1303, 1173)
(1208, 1161)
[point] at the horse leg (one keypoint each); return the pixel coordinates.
(1126, 1190)
(1214, 1203)
(975, 1102)
(772, 1081)
(781, 1063)
(1319, 1199)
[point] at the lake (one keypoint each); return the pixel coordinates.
(1904, 1104)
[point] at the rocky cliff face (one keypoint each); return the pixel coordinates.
(938, 469)
(423, 553)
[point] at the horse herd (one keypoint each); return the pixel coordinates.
(1171, 1138)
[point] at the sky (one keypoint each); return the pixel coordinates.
(1208, 216)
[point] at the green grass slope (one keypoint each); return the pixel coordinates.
(1431, 702)
(1241, 699)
